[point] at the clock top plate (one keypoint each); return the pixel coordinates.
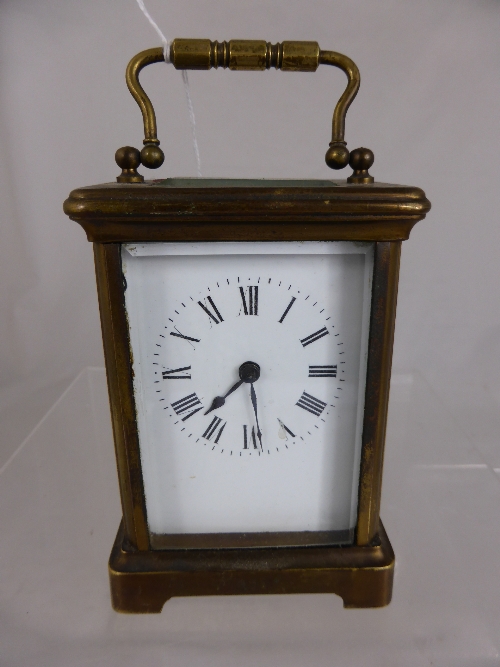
(206, 209)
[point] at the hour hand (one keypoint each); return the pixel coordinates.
(248, 372)
(219, 401)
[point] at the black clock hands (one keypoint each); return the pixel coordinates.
(219, 401)
(254, 403)
(248, 372)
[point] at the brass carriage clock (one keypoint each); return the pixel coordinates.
(248, 329)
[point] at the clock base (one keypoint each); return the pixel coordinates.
(142, 581)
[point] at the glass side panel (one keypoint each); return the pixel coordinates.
(241, 183)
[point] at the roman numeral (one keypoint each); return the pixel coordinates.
(187, 404)
(287, 309)
(285, 428)
(246, 439)
(253, 300)
(323, 371)
(212, 428)
(311, 404)
(314, 337)
(216, 316)
(168, 375)
(179, 335)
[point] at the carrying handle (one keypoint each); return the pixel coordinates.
(203, 54)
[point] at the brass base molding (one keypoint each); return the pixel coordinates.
(142, 581)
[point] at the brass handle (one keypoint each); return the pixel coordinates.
(203, 54)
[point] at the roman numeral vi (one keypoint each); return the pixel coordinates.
(246, 439)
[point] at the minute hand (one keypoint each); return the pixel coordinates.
(219, 401)
(254, 403)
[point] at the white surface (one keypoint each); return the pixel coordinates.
(248, 248)
(203, 473)
(59, 513)
(430, 93)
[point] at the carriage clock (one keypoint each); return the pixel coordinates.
(248, 329)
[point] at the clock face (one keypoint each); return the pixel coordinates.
(249, 362)
(219, 339)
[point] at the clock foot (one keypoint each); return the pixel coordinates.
(141, 582)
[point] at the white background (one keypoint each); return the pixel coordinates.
(428, 107)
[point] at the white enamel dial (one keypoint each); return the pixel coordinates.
(276, 326)
(249, 362)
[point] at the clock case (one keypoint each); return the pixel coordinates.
(185, 210)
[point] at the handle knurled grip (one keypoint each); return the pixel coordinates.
(203, 54)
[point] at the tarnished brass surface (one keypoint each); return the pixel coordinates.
(361, 159)
(244, 54)
(147, 570)
(134, 67)
(299, 56)
(128, 159)
(193, 54)
(241, 54)
(247, 55)
(353, 82)
(151, 155)
(302, 538)
(118, 359)
(141, 582)
(157, 212)
(378, 376)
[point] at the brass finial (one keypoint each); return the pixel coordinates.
(361, 160)
(128, 159)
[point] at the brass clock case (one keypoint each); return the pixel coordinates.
(144, 577)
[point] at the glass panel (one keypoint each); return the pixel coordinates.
(241, 183)
(279, 452)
